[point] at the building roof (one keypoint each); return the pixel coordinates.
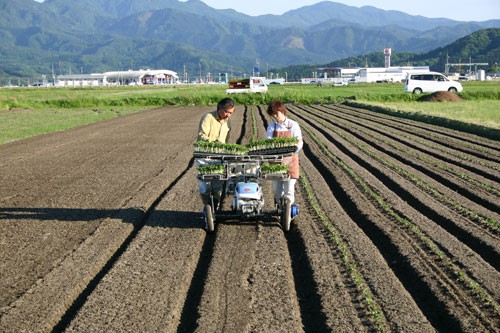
(120, 75)
(81, 77)
(137, 75)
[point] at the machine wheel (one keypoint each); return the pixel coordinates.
(286, 216)
(417, 91)
(209, 218)
(452, 89)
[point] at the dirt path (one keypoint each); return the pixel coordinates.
(106, 222)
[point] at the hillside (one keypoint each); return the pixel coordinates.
(482, 46)
(100, 35)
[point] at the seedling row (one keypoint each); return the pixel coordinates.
(469, 275)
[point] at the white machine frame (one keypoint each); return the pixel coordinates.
(245, 169)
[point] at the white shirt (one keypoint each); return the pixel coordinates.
(287, 125)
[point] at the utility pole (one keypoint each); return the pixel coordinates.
(447, 66)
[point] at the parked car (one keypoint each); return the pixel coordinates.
(340, 83)
(418, 83)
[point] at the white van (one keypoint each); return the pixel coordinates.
(418, 83)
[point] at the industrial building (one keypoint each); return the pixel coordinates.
(342, 75)
(130, 77)
(365, 74)
(390, 74)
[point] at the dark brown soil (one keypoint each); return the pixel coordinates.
(101, 230)
(441, 96)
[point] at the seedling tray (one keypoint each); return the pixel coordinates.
(275, 176)
(215, 176)
(273, 151)
(278, 157)
(218, 156)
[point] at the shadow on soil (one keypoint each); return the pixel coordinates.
(313, 318)
(164, 219)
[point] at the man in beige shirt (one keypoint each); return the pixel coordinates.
(214, 126)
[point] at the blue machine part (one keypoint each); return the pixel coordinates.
(294, 211)
(247, 188)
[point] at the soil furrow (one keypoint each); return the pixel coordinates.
(323, 304)
(486, 156)
(396, 303)
(418, 149)
(485, 168)
(50, 227)
(145, 288)
(472, 235)
(173, 301)
(408, 261)
(455, 183)
(109, 233)
(429, 128)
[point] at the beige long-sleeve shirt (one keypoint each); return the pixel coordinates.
(212, 129)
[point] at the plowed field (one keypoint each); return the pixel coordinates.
(101, 230)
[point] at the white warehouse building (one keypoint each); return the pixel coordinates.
(130, 77)
(367, 74)
(81, 80)
(390, 74)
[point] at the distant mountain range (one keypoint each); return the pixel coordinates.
(101, 35)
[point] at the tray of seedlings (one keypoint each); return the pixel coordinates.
(205, 149)
(274, 146)
(212, 172)
(274, 171)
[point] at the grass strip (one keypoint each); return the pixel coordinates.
(25, 123)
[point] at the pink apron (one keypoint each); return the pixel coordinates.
(291, 161)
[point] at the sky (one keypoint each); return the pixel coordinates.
(460, 10)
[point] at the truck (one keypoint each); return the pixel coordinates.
(251, 85)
